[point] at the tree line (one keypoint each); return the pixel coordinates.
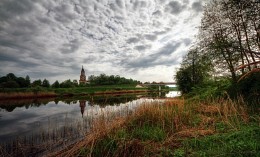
(12, 81)
(104, 79)
(227, 50)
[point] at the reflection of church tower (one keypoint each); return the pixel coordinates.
(82, 105)
(82, 76)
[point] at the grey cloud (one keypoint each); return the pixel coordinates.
(139, 4)
(153, 59)
(150, 37)
(132, 40)
(157, 13)
(175, 7)
(169, 48)
(64, 13)
(187, 41)
(197, 6)
(12, 8)
(90, 59)
(142, 47)
(70, 47)
(54, 34)
(120, 3)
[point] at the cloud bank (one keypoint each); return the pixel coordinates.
(131, 38)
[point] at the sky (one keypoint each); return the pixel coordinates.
(140, 39)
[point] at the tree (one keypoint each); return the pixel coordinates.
(37, 83)
(21, 81)
(56, 84)
(75, 83)
(194, 71)
(28, 81)
(45, 83)
(67, 84)
(230, 35)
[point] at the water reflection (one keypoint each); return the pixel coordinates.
(47, 122)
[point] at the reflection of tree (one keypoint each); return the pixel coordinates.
(102, 101)
(10, 105)
(111, 100)
(158, 94)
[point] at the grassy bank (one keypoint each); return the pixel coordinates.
(175, 128)
(20, 93)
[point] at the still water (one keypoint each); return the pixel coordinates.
(51, 121)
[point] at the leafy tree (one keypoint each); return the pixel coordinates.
(21, 81)
(104, 79)
(37, 83)
(194, 71)
(11, 77)
(10, 84)
(75, 83)
(56, 84)
(28, 81)
(67, 84)
(45, 83)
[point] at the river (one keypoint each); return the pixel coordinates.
(40, 125)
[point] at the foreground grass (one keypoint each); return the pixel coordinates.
(175, 128)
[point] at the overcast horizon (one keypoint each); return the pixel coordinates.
(142, 40)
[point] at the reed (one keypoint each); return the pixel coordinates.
(24, 95)
(162, 128)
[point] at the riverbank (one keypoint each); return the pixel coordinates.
(175, 127)
(25, 93)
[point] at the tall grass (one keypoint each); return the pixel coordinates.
(168, 128)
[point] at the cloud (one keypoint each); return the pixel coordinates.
(52, 39)
(175, 7)
(197, 6)
(142, 47)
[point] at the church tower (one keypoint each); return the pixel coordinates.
(82, 76)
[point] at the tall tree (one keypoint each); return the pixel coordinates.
(45, 83)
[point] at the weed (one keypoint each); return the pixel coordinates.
(147, 132)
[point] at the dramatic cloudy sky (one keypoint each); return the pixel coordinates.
(139, 39)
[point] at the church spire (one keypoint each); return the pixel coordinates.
(82, 76)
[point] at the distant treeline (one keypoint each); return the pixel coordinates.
(104, 79)
(12, 81)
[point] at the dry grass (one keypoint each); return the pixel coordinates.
(176, 118)
(24, 95)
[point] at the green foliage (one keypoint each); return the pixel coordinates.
(36, 83)
(104, 79)
(147, 132)
(194, 71)
(245, 142)
(248, 87)
(56, 84)
(179, 153)
(105, 147)
(11, 81)
(67, 84)
(45, 83)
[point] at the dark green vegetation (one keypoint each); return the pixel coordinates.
(19, 87)
(225, 61)
(104, 79)
(12, 81)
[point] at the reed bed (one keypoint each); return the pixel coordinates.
(160, 128)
